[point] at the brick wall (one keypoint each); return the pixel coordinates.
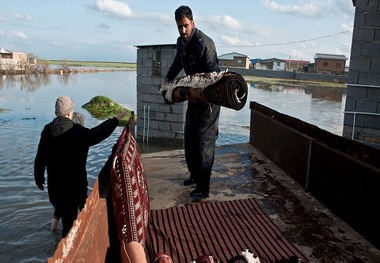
(330, 66)
(157, 120)
(363, 91)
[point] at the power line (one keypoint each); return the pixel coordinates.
(293, 42)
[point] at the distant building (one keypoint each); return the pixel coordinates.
(271, 64)
(329, 64)
(253, 62)
(296, 65)
(14, 60)
(234, 60)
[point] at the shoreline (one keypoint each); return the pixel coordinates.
(65, 67)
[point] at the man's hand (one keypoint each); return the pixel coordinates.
(122, 114)
(41, 187)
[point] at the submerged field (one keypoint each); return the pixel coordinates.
(133, 66)
(79, 63)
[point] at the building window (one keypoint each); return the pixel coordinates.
(156, 68)
(158, 55)
(325, 64)
(239, 61)
(157, 64)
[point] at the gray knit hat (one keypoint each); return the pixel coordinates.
(63, 105)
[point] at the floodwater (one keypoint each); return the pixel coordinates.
(25, 212)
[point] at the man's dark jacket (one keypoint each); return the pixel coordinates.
(63, 150)
(196, 56)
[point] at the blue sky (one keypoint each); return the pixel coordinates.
(110, 30)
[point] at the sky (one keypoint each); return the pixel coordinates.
(110, 30)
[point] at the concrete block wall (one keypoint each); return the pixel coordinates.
(363, 88)
(157, 121)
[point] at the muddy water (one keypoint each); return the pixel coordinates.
(25, 212)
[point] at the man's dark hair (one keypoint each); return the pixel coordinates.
(183, 11)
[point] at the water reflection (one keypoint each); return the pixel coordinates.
(25, 82)
(316, 92)
(319, 105)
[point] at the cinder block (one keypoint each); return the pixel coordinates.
(360, 63)
(356, 93)
(369, 78)
(372, 122)
(149, 98)
(366, 6)
(142, 53)
(146, 80)
(350, 104)
(169, 53)
(158, 81)
(151, 89)
(375, 65)
(374, 93)
(370, 49)
(356, 49)
(367, 105)
(353, 76)
(165, 125)
(178, 127)
(146, 62)
(153, 124)
(363, 35)
(348, 119)
(359, 20)
(377, 35)
(141, 71)
(172, 117)
(372, 19)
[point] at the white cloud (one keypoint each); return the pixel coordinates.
(226, 21)
(114, 7)
(346, 27)
(229, 40)
(121, 9)
(343, 8)
(312, 8)
(4, 17)
(308, 9)
(23, 17)
(102, 26)
(18, 34)
(13, 34)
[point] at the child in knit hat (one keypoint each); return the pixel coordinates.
(62, 152)
(78, 118)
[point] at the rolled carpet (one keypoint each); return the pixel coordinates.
(227, 89)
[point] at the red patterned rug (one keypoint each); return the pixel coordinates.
(129, 190)
(222, 229)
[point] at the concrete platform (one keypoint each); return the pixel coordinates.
(241, 171)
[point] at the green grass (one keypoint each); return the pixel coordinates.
(103, 108)
(79, 63)
(292, 82)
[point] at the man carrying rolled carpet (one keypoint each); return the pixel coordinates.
(196, 53)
